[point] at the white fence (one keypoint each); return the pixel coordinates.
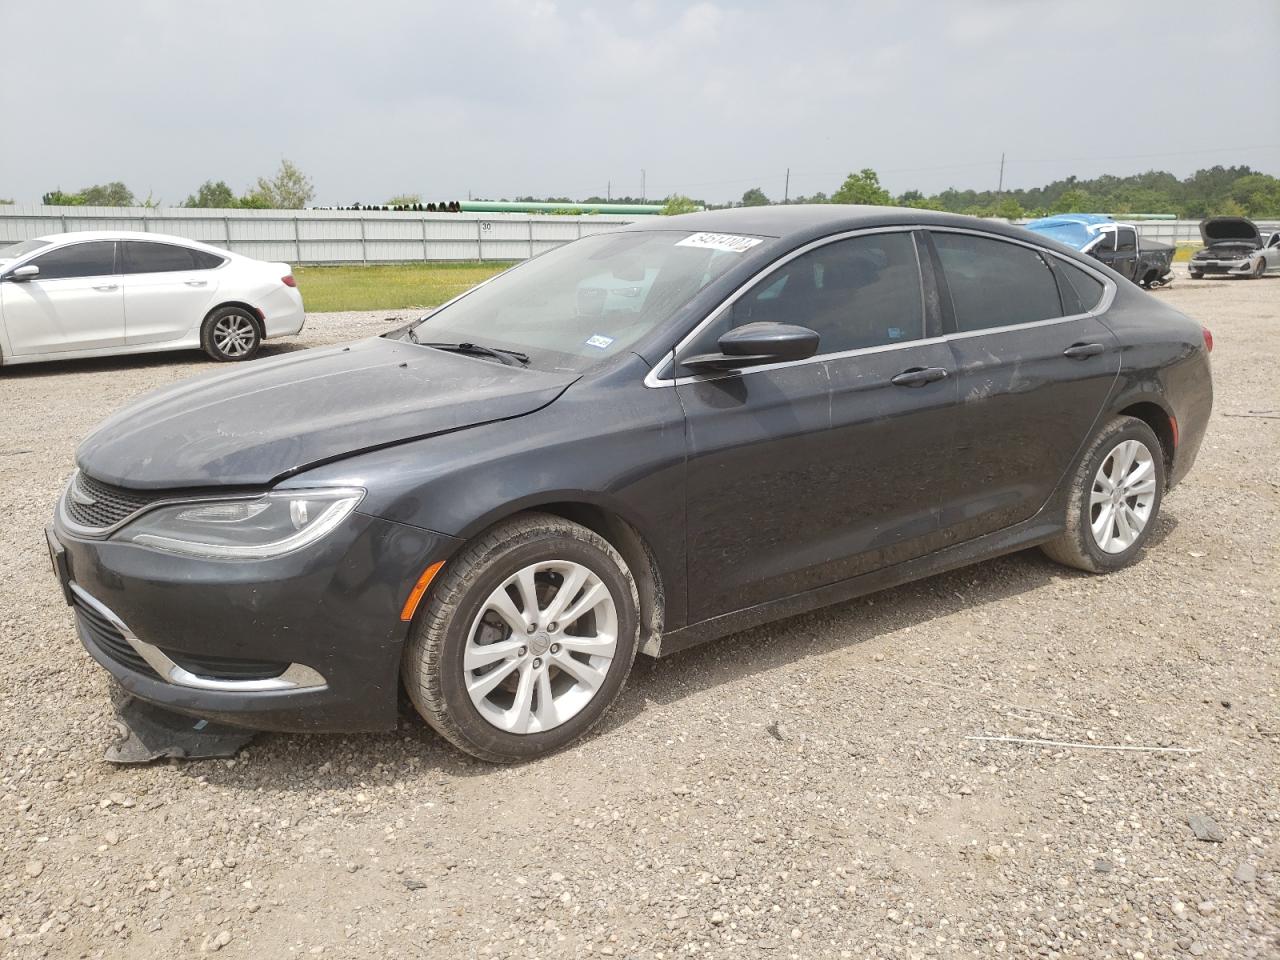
(376, 236)
(323, 236)
(1188, 231)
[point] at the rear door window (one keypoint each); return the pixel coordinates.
(1081, 291)
(204, 260)
(995, 283)
(95, 258)
(144, 256)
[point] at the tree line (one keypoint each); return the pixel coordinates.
(287, 189)
(1215, 191)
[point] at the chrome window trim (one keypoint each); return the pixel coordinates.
(297, 676)
(654, 378)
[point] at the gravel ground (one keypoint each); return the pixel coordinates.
(806, 789)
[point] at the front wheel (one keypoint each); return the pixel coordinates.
(1259, 270)
(231, 333)
(1195, 274)
(525, 641)
(1114, 499)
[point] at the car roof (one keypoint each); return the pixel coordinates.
(79, 236)
(799, 222)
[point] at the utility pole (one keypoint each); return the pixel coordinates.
(786, 191)
(642, 193)
(608, 190)
(1000, 188)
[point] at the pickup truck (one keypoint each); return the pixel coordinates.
(1118, 245)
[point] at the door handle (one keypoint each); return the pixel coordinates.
(919, 376)
(196, 283)
(1082, 351)
(108, 287)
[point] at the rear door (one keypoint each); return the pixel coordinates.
(168, 289)
(75, 303)
(1034, 370)
(805, 473)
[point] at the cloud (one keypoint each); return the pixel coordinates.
(510, 97)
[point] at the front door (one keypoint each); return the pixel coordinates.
(1126, 259)
(1034, 375)
(167, 289)
(806, 473)
(74, 303)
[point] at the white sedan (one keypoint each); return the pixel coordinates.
(96, 293)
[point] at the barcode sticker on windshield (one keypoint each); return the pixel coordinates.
(599, 341)
(720, 241)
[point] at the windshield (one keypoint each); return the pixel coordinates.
(588, 300)
(15, 250)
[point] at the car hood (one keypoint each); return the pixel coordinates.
(251, 426)
(1233, 229)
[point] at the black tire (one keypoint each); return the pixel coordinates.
(1077, 546)
(245, 331)
(433, 659)
(1195, 274)
(1259, 270)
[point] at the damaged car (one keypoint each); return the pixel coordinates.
(498, 506)
(1148, 263)
(1234, 247)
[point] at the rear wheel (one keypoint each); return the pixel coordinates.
(231, 333)
(1114, 500)
(525, 641)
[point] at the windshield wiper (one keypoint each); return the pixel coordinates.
(475, 350)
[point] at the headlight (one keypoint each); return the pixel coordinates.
(250, 529)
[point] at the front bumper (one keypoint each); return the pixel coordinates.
(310, 641)
(1241, 268)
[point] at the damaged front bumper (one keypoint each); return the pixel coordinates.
(307, 642)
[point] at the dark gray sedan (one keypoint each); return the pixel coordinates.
(637, 442)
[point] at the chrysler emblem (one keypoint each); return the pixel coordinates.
(82, 498)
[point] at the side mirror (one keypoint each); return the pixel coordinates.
(753, 344)
(28, 271)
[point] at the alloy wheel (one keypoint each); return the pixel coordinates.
(1122, 496)
(234, 335)
(540, 647)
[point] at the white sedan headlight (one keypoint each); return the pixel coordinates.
(250, 529)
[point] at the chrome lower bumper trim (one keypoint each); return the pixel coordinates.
(296, 677)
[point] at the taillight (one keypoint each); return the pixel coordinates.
(1208, 339)
(288, 281)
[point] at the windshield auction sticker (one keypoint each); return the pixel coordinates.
(720, 241)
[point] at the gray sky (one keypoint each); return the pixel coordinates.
(512, 98)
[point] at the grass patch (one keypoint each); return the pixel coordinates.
(1184, 251)
(388, 286)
